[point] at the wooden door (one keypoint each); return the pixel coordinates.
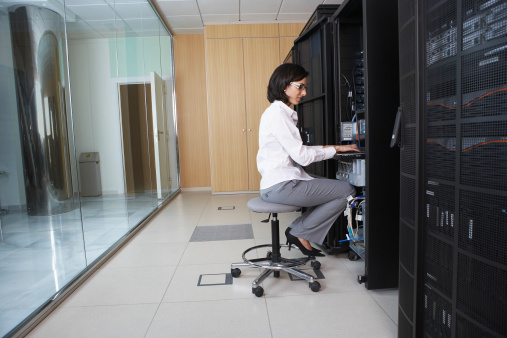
(261, 57)
(226, 104)
(135, 111)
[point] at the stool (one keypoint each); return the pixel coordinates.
(274, 262)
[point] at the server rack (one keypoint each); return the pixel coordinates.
(290, 56)
(322, 11)
(453, 163)
(313, 50)
(366, 37)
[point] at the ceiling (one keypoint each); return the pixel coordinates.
(190, 16)
(95, 19)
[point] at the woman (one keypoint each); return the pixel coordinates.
(282, 155)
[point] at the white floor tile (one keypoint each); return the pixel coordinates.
(223, 318)
(168, 221)
(388, 301)
(355, 267)
(183, 287)
(163, 235)
(213, 216)
(181, 207)
(97, 322)
(123, 286)
(215, 252)
(147, 254)
(344, 314)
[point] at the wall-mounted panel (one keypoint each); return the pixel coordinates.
(190, 78)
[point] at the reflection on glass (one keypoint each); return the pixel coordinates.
(41, 240)
(136, 112)
(167, 70)
(161, 150)
(112, 96)
(37, 35)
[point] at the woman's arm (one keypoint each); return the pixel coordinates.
(287, 133)
(344, 148)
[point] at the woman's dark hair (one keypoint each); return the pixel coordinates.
(281, 78)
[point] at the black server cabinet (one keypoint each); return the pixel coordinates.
(453, 163)
(313, 50)
(290, 56)
(366, 65)
(320, 12)
(411, 125)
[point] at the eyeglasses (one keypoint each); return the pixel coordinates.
(299, 86)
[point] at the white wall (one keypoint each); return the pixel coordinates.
(95, 109)
(96, 68)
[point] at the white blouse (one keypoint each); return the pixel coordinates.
(281, 153)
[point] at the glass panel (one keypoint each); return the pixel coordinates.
(139, 131)
(153, 66)
(93, 68)
(88, 141)
(166, 46)
(41, 239)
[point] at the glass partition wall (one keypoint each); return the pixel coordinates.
(88, 140)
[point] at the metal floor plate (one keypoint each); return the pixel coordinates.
(222, 232)
(215, 279)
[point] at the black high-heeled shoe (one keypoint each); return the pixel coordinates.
(294, 240)
(287, 234)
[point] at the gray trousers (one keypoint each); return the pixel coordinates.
(325, 199)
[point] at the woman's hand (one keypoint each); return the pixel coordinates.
(346, 148)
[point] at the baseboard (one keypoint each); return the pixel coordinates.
(196, 189)
(235, 192)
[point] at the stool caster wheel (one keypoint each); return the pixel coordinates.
(315, 265)
(315, 286)
(258, 291)
(235, 272)
(353, 256)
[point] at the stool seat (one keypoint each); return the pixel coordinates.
(260, 205)
(274, 262)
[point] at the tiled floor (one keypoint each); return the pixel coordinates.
(41, 254)
(150, 287)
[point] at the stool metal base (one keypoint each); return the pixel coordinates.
(283, 264)
(274, 262)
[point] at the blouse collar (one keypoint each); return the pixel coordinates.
(287, 110)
